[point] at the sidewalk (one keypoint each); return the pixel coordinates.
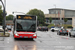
(7, 43)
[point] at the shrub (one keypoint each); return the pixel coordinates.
(69, 27)
(40, 24)
(49, 26)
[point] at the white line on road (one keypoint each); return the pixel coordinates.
(59, 42)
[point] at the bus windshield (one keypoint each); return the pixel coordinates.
(26, 25)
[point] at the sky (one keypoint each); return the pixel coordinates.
(44, 5)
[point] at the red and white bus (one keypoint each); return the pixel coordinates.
(25, 26)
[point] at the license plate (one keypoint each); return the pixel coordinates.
(64, 31)
(30, 36)
(25, 37)
(20, 36)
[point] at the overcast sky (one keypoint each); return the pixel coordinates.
(44, 5)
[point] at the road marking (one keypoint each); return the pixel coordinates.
(64, 47)
(69, 47)
(64, 37)
(59, 42)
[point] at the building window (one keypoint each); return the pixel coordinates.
(54, 11)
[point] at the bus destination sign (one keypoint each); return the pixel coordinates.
(25, 17)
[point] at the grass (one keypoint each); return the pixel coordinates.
(49, 26)
(6, 34)
(64, 25)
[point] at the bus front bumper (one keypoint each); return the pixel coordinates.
(25, 36)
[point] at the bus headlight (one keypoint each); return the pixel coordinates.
(34, 35)
(16, 34)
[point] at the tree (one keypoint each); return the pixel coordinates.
(9, 17)
(40, 15)
(65, 20)
(50, 19)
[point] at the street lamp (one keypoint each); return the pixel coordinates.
(18, 12)
(4, 15)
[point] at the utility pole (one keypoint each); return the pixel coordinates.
(4, 15)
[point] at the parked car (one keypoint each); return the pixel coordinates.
(72, 32)
(39, 28)
(9, 27)
(44, 28)
(55, 29)
(62, 32)
(1, 29)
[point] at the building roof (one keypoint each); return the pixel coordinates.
(60, 9)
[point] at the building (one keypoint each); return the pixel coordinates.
(73, 21)
(9, 22)
(58, 15)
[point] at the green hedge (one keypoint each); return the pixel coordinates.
(65, 26)
(6, 34)
(40, 25)
(49, 26)
(69, 27)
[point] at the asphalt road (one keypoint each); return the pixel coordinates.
(45, 41)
